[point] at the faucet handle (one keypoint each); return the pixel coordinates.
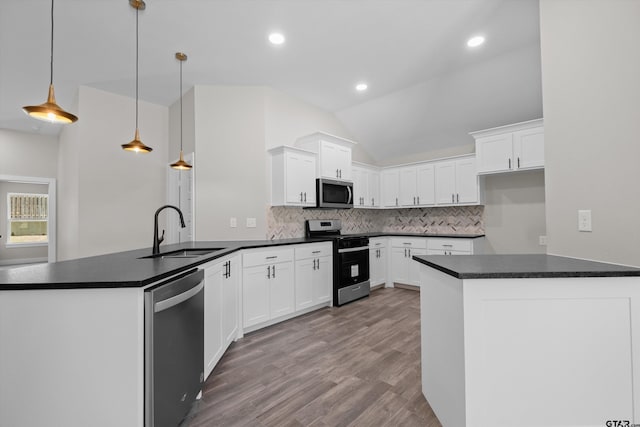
(161, 238)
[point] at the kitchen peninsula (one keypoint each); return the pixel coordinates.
(529, 340)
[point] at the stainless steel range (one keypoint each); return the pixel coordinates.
(350, 260)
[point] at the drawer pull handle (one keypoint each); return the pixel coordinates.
(316, 252)
(272, 257)
(448, 246)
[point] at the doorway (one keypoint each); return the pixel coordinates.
(27, 204)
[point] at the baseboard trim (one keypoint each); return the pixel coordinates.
(409, 287)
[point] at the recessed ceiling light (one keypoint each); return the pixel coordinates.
(361, 87)
(276, 38)
(475, 41)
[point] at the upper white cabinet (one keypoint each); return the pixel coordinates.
(417, 185)
(510, 148)
(390, 183)
(334, 155)
(457, 182)
(293, 177)
(366, 186)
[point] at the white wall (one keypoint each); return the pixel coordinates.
(27, 154)
(591, 100)
(108, 196)
(514, 212)
(230, 162)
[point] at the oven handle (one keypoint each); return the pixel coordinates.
(361, 248)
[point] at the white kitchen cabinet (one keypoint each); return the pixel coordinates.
(390, 179)
(402, 249)
(334, 155)
(220, 309)
(510, 148)
(457, 182)
(417, 185)
(314, 274)
(366, 186)
(267, 285)
(449, 246)
(377, 261)
(293, 180)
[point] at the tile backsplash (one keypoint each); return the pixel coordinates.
(288, 222)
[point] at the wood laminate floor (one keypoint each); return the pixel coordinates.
(357, 365)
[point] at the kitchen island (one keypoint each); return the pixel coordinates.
(530, 340)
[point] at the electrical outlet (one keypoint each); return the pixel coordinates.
(233, 222)
(584, 220)
(251, 223)
(542, 240)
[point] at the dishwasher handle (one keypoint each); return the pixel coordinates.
(175, 300)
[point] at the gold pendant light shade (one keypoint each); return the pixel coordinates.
(50, 111)
(137, 145)
(181, 164)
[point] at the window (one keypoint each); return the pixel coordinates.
(28, 219)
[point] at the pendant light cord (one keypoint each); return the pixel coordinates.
(137, 31)
(51, 58)
(181, 106)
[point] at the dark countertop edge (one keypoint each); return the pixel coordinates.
(232, 247)
(529, 275)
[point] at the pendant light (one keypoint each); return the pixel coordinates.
(181, 164)
(50, 111)
(136, 145)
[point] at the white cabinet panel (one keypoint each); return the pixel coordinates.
(425, 184)
(391, 188)
(293, 180)
(457, 182)
(528, 148)
(281, 290)
(255, 295)
(495, 153)
(408, 187)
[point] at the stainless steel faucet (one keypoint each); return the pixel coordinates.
(157, 240)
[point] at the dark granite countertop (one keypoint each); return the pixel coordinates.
(129, 270)
(522, 266)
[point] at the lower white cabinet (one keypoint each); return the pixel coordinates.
(377, 261)
(267, 285)
(403, 269)
(220, 308)
(314, 275)
(449, 247)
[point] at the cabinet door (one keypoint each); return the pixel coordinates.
(426, 184)
(213, 340)
(377, 266)
(495, 153)
(255, 295)
(374, 189)
(344, 162)
(360, 186)
(300, 179)
(281, 290)
(329, 160)
(528, 148)
(466, 181)
(304, 283)
(408, 188)
(399, 265)
(391, 188)
(230, 288)
(446, 183)
(414, 266)
(323, 280)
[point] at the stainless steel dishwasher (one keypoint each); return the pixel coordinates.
(174, 348)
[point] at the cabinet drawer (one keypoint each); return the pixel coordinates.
(461, 245)
(267, 256)
(377, 243)
(409, 242)
(313, 250)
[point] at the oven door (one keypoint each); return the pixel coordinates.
(354, 266)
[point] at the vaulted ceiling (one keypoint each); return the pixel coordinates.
(427, 89)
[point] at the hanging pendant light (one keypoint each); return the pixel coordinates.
(181, 164)
(50, 111)
(136, 145)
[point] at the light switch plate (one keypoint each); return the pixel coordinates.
(251, 223)
(584, 220)
(542, 240)
(233, 222)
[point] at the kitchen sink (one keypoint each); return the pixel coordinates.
(185, 253)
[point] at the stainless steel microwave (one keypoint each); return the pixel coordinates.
(334, 194)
